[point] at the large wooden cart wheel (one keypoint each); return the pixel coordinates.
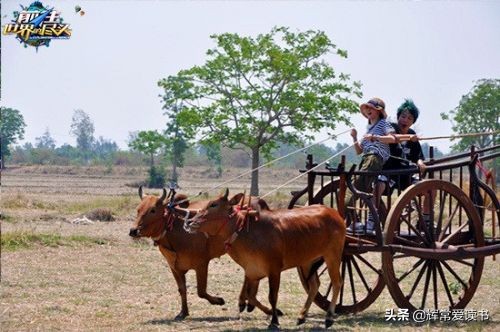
(424, 283)
(361, 271)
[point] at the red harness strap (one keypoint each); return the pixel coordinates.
(241, 221)
(487, 174)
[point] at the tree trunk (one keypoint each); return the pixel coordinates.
(174, 167)
(2, 161)
(254, 189)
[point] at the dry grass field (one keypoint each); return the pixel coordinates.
(58, 274)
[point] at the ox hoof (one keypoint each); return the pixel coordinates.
(273, 327)
(279, 312)
(216, 300)
(301, 321)
(328, 322)
(242, 307)
(250, 307)
(181, 316)
(219, 301)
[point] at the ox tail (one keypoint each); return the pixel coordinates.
(314, 268)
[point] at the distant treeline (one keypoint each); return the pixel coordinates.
(107, 153)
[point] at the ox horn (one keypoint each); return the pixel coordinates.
(163, 195)
(140, 192)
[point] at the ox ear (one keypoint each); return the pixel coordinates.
(140, 192)
(236, 199)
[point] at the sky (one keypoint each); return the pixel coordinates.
(430, 51)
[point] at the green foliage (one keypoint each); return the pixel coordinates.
(256, 92)
(11, 129)
(45, 141)
(82, 128)
(176, 142)
(478, 111)
(214, 154)
(148, 142)
(156, 177)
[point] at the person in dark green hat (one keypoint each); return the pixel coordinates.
(404, 153)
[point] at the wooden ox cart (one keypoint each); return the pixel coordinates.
(425, 265)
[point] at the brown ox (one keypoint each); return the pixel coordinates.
(276, 241)
(184, 251)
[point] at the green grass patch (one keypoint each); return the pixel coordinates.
(12, 241)
(120, 205)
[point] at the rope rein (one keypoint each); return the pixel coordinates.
(458, 136)
(308, 171)
(262, 166)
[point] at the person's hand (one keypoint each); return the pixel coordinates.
(414, 138)
(354, 134)
(370, 137)
(421, 167)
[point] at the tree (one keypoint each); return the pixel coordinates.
(45, 141)
(82, 128)
(256, 92)
(478, 111)
(150, 142)
(104, 148)
(11, 129)
(176, 143)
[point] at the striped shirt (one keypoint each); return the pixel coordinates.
(380, 128)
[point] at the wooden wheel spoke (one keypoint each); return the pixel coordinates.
(360, 274)
(414, 267)
(351, 279)
(321, 273)
(408, 242)
(426, 285)
(448, 223)
(368, 264)
(434, 284)
(445, 284)
(417, 281)
(328, 290)
(421, 222)
(454, 274)
(417, 232)
(455, 232)
(441, 212)
(461, 261)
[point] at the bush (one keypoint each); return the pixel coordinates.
(156, 177)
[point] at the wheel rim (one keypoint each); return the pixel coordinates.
(361, 272)
(418, 283)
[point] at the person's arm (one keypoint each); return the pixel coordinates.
(391, 139)
(357, 145)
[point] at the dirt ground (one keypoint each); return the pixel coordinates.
(82, 276)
